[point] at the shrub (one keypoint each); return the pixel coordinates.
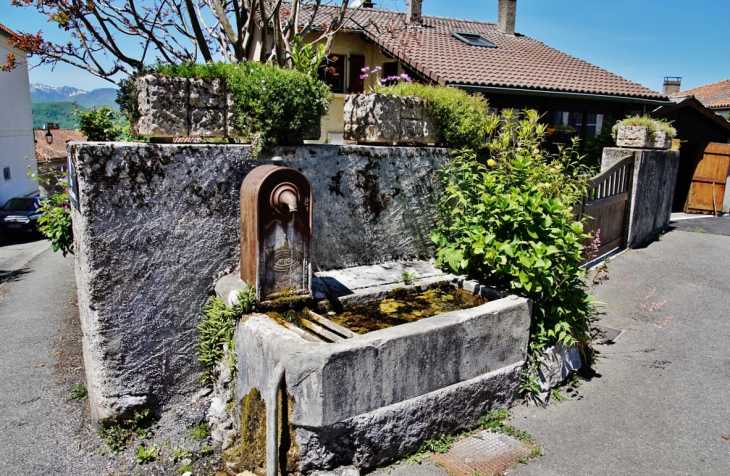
(99, 124)
(462, 119)
(654, 126)
(272, 105)
(509, 222)
(55, 223)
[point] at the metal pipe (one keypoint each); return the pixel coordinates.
(272, 422)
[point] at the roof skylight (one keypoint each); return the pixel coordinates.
(473, 39)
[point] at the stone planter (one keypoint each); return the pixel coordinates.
(186, 107)
(385, 119)
(637, 137)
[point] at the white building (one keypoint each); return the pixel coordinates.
(16, 126)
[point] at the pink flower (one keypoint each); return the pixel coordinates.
(365, 69)
(363, 76)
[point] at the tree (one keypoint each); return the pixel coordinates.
(103, 32)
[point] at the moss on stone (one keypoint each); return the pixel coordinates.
(249, 453)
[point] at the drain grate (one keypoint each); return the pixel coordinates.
(487, 454)
(605, 335)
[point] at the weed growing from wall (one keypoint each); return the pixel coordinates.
(217, 327)
(508, 222)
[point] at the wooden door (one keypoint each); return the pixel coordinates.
(708, 182)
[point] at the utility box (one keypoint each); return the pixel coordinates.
(276, 231)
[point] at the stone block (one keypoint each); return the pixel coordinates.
(209, 93)
(380, 118)
(411, 131)
(209, 123)
(162, 106)
(412, 108)
(557, 364)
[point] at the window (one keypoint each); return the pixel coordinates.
(332, 73)
(6, 173)
(390, 69)
(473, 39)
(355, 84)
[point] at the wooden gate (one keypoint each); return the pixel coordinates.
(607, 205)
(708, 182)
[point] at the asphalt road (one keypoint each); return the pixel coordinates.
(660, 403)
(43, 433)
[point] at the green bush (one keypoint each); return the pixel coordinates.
(55, 223)
(100, 124)
(509, 222)
(462, 119)
(272, 105)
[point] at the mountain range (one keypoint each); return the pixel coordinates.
(95, 98)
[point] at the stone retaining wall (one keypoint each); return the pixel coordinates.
(158, 224)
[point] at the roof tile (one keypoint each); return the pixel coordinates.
(715, 95)
(517, 62)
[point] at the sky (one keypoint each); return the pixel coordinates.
(640, 40)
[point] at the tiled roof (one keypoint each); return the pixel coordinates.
(6, 30)
(57, 150)
(714, 96)
(517, 62)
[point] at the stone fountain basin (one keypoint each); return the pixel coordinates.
(374, 397)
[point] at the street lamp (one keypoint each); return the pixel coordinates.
(49, 137)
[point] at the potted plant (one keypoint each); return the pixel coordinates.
(643, 132)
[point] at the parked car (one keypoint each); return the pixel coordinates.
(20, 214)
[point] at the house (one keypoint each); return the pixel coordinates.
(715, 96)
(51, 154)
(16, 126)
(697, 126)
(511, 70)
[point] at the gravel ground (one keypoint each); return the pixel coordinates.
(44, 432)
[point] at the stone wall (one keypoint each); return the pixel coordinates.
(655, 175)
(158, 224)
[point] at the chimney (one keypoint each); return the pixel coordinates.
(413, 14)
(506, 16)
(367, 4)
(671, 85)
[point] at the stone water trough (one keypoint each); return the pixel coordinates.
(318, 395)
